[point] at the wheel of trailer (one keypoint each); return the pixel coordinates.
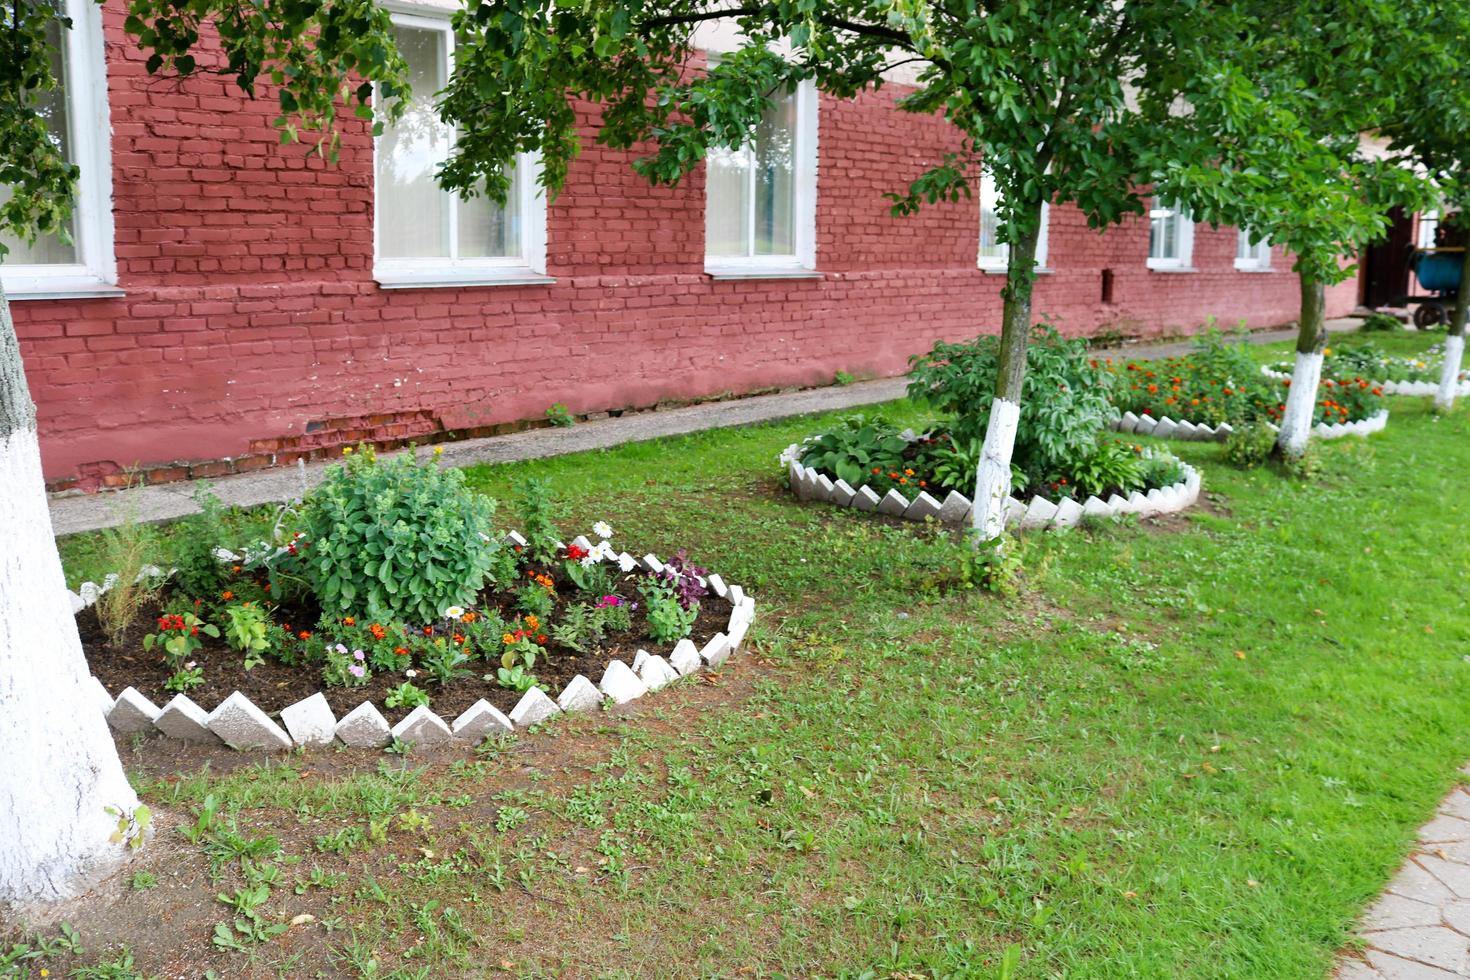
(1428, 316)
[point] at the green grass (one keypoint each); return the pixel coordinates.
(1187, 751)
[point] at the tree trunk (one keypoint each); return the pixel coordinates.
(58, 766)
(1301, 398)
(993, 475)
(1454, 344)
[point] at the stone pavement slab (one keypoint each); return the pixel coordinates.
(74, 513)
(1419, 929)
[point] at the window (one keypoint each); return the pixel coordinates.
(994, 254)
(1251, 255)
(761, 198)
(1428, 225)
(1170, 238)
(81, 263)
(429, 236)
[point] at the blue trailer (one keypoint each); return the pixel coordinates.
(1438, 271)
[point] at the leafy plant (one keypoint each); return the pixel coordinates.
(189, 676)
(684, 579)
(1250, 445)
(538, 509)
(558, 415)
(132, 825)
(668, 619)
(198, 572)
(1380, 323)
(1064, 407)
(178, 635)
(584, 626)
(534, 599)
(125, 552)
(405, 695)
(341, 668)
(1110, 467)
(517, 678)
(855, 447)
(398, 540)
(444, 661)
(247, 628)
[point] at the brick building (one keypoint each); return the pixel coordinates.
(232, 299)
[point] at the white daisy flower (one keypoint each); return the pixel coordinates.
(410, 673)
(454, 612)
(602, 529)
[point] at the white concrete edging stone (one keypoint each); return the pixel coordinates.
(237, 722)
(1167, 428)
(956, 507)
(1411, 388)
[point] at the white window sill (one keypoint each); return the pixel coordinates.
(28, 288)
(1254, 268)
(1000, 270)
(521, 276)
(761, 272)
(1172, 268)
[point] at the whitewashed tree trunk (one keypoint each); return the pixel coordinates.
(1301, 397)
(1454, 344)
(993, 473)
(58, 767)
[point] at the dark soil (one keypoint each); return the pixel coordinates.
(273, 685)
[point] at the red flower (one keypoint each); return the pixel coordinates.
(576, 553)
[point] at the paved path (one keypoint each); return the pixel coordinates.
(1419, 929)
(166, 501)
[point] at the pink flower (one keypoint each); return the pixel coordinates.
(358, 655)
(357, 670)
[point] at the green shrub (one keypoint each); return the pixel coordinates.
(1110, 467)
(854, 447)
(197, 572)
(1250, 445)
(398, 540)
(1380, 323)
(1064, 406)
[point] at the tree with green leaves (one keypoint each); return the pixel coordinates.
(66, 808)
(1429, 131)
(1290, 162)
(1064, 101)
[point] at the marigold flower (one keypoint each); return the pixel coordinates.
(304, 634)
(533, 622)
(377, 631)
(348, 621)
(908, 472)
(540, 637)
(507, 639)
(428, 631)
(401, 651)
(458, 638)
(227, 595)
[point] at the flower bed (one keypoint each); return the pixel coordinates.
(455, 633)
(1217, 389)
(1392, 375)
(1063, 466)
(1037, 511)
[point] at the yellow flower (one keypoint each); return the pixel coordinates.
(507, 639)
(346, 450)
(438, 450)
(1327, 352)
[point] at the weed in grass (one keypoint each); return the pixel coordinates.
(144, 880)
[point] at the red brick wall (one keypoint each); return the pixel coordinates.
(251, 327)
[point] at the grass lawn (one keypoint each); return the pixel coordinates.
(1191, 748)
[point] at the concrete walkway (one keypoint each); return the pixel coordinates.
(1419, 929)
(167, 501)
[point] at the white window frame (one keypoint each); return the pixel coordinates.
(1184, 237)
(990, 194)
(528, 268)
(95, 271)
(1428, 224)
(802, 262)
(1257, 257)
